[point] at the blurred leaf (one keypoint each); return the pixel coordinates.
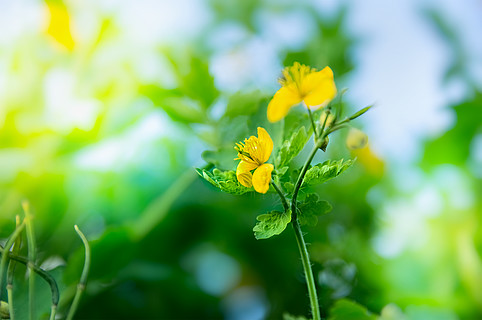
(271, 224)
(348, 310)
(177, 107)
(454, 145)
(198, 84)
(287, 316)
(222, 159)
(291, 148)
(311, 208)
(240, 104)
(224, 180)
(325, 171)
(289, 187)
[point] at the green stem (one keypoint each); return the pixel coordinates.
(301, 176)
(310, 281)
(43, 274)
(281, 195)
(312, 122)
(31, 258)
(83, 277)
(11, 270)
(8, 245)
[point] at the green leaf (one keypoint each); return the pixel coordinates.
(177, 107)
(198, 84)
(271, 224)
(325, 171)
(311, 208)
(224, 180)
(241, 104)
(222, 159)
(289, 187)
(349, 310)
(291, 147)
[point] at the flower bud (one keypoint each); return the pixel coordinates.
(4, 312)
(356, 139)
(329, 117)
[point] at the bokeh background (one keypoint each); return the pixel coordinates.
(106, 107)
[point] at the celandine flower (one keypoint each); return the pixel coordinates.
(301, 83)
(253, 153)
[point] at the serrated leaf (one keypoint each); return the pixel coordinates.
(311, 208)
(325, 171)
(291, 148)
(224, 180)
(271, 224)
(349, 310)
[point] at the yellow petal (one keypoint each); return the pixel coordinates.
(243, 173)
(265, 145)
(283, 100)
(59, 25)
(262, 178)
(319, 88)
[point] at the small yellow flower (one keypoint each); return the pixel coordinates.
(301, 83)
(253, 153)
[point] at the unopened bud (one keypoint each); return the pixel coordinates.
(328, 117)
(356, 139)
(4, 312)
(324, 144)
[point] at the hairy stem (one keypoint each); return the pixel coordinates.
(83, 277)
(305, 258)
(310, 281)
(281, 195)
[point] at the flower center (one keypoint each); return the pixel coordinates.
(249, 150)
(295, 74)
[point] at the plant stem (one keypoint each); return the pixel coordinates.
(8, 245)
(31, 258)
(83, 277)
(310, 281)
(281, 195)
(305, 258)
(11, 271)
(300, 178)
(312, 122)
(42, 273)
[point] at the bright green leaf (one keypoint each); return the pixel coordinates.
(224, 180)
(349, 310)
(271, 224)
(311, 208)
(325, 171)
(198, 84)
(291, 148)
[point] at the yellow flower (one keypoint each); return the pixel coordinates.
(253, 153)
(301, 83)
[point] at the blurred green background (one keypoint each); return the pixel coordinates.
(106, 107)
